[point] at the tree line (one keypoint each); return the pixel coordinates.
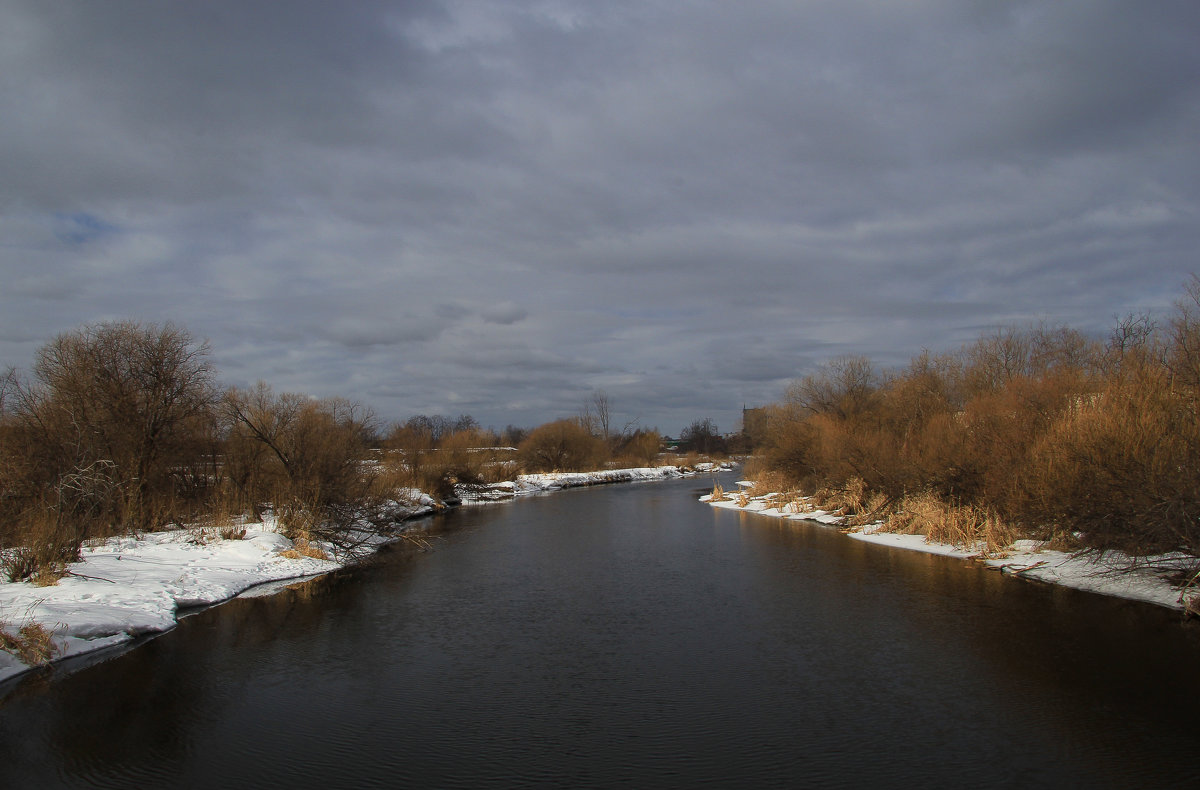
(123, 427)
(1039, 431)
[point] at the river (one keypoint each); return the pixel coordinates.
(630, 635)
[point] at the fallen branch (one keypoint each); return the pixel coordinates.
(85, 576)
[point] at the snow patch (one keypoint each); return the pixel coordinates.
(1113, 573)
(525, 485)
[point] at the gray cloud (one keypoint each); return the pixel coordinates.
(504, 313)
(496, 208)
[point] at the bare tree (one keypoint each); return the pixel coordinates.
(1184, 355)
(702, 436)
(124, 397)
(845, 386)
(8, 388)
(1130, 332)
(586, 419)
(600, 404)
(317, 445)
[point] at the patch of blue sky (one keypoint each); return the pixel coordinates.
(81, 227)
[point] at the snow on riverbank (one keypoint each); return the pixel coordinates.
(129, 586)
(554, 481)
(126, 587)
(1112, 574)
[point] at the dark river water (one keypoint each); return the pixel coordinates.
(629, 635)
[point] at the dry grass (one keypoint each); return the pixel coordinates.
(770, 483)
(776, 490)
(18, 564)
(964, 526)
(33, 643)
(848, 499)
(301, 547)
(1189, 594)
(755, 467)
(866, 508)
(297, 520)
(797, 504)
(43, 549)
(233, 532)
(224, 518)
(48, 575)
(203, 535)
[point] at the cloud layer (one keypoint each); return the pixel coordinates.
(498, 208)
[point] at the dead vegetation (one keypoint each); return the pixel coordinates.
(1035, 432)
(32, 643)
(962, 526)
(120, 428)
(302, 547)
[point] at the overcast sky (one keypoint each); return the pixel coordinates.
(496, 208)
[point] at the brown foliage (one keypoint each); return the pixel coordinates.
(964, 526)
(564, 446)
(305, 456)
(466, 457)
(1037, 429)
(99, 440)
(1121, 466)
(640, 448)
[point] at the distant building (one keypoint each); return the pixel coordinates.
(754, 424)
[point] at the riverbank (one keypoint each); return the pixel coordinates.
(128, 587)
(1149, 579)
(555, 481)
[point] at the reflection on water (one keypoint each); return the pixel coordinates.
(631, 635)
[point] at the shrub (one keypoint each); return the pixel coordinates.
(465, 456)
(640, 448)
(410, 457)
(306, 456)
(1121, 467)
(563, 445)
(1039, 429)
(792, 445)
(468, 457)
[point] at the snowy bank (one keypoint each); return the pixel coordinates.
(554, 481)
(1146, 579)
(127, 587)
(130, 586)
